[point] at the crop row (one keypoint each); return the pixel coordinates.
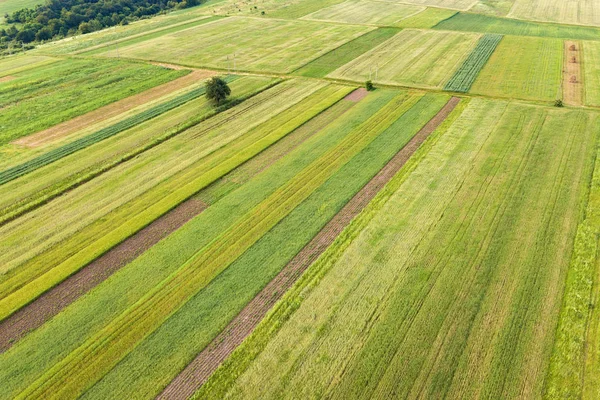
(51, 267)
(104, 133)
(464, 77)
(68, 330)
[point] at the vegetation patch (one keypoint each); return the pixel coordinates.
(366, 12)
(427, 18)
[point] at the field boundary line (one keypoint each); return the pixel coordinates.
(208, 360)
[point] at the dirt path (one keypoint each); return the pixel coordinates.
(572, 73)
(7, 78)
(52, 302)
(201, 368)
(112, 110)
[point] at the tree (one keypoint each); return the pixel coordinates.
(217, 90)
(369, 86)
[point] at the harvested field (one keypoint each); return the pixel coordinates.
(591, 72)
(572, 83)
(365, 12)
(411, 58)
(579, 12)
(112, 110)
(451, 4)
(232, 336)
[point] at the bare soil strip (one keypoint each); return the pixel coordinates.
(112, 110)
(202, 367)
(7, 78)
(52, 302)
(357, 95)
(572, 74)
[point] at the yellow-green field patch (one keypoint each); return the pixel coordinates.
(366, 12)
(581, 12)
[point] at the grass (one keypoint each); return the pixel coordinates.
(124, 288)
(451, 4)
(464, 77)
(573, 366)
(523, 68)
(30, 191)
(436, 290)
(468, 22)
(10, 6)
(582, 13)
(428, 18)
(259, 45)
(42, 97)
(347, 52)
(290, 9)
(151, 193)
(22, 62)
(590, 53)
(365, 12)
(411, 58)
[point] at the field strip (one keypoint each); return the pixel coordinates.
(572, 84)
(52, 302)
(199, 370)
(112, 110)
(102, 134)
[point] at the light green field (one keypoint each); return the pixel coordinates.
(581, 12)
(591, 70)
(523, 68)
(437, 288)
(451, 4)
(366, 12)
(412, 58)
(20, 63)
(426, 19)
(497, 8)
(258, 44)
(290, 9)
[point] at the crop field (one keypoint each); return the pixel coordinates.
(458, 265)
(366, 12)
(259, 45)
(524, 68)
(66, 89)
(581, 12)
(467, 22)
(394, 199)
(413, 58)
(464, 77)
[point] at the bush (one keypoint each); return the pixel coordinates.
(369, 86)
(558, 103)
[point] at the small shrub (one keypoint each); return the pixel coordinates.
(369, 86)
(558, 103)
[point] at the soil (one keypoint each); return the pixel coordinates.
(572, 74)
(202, 367)
(56, 299)
(357, 95)
(109, 111)
(7, 78)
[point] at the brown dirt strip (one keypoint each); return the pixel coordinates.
(52, 302)
(202, 367)
(572, 76)
(357, 95)
(7, 78)
(112, 110)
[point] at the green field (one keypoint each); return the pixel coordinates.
(487, 24)
(523, 68)
(444, 266)
(412, 58)
(39, 98)
(366, 12)
(10, 6)
(259, 45)
(397, 199)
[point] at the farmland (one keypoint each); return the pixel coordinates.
(394, 199)
(408, 59)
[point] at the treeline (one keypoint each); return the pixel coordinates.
(61, 18)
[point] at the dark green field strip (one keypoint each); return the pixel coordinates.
(148, 36)
(464, 77)
(466, 22)
(79, 144)
(347, 52)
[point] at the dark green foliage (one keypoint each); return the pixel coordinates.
(70, 148)
(558, 103)
(464, 77)
(369, 86)
(217, 90)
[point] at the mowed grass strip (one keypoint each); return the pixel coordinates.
(30, 191)
(217, 304)
(98, 136)
(347, 52)
(416, 58)
(468, 22)
(464, 77)
(258, 44)
(22, 62)
(428, 18)
(523, 68)
(51, 94)
(103, 232)
(589, 56)
(365, 12)
(290, 9)
(111, 343)
(439, 274)
(69, 329)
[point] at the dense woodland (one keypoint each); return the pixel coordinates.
(60, 18)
